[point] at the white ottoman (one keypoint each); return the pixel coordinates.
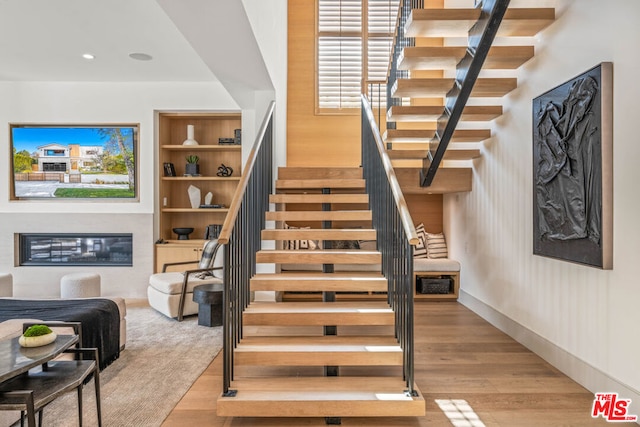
(80, 285)
(6, 285)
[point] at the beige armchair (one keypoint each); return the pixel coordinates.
(171, 293)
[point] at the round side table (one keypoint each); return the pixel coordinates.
(209, 299)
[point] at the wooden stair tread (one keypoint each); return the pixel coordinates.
(313, 313)
(447, 57)
(331, 350)
(447, 180)
(457, 22)
(419, 135)
(319, 198)
(285, 184)
(413, 113)
(337, 383)
(319, 307)
(320, 256)
(448, 155)
(412, 155)
(318, 282)
(427, 87)
(319, 234)
(348, 340)
(321, 397)
(303, 172)
(343, 215)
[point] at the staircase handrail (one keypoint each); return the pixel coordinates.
(401, 203)
(396, 236)
(240, 235)
(481, 37)
(232, 214)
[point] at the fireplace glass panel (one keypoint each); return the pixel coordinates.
(76, 249)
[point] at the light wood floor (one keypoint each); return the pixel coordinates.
(458, 356)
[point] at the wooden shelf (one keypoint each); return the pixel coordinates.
(200, 178)
(173, 205)
(202, 147)
(197, 210)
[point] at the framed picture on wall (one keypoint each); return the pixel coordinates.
(572, 170)
(73, 162)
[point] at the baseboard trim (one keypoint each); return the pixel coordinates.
(575, 368)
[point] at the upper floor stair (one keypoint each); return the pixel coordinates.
(431, 64)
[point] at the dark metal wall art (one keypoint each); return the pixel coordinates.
(572, 169)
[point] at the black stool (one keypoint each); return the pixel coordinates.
(209, 299)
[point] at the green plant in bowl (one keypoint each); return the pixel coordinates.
(36, 336)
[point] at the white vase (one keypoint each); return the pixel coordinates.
(194, 196)
(190, 140)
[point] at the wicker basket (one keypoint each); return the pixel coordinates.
(435, 285)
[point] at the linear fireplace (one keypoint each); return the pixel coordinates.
(86, 249)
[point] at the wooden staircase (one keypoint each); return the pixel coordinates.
(431, 64)
(319, 358)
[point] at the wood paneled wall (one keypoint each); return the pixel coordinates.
(313, 140)
(330, 140)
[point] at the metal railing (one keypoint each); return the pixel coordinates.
(396, 235)
(481, 37)
(240, 235)
(399, 43)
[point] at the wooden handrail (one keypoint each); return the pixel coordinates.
(403, 208)
(230, 219)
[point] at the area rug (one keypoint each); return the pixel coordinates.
(162, 359)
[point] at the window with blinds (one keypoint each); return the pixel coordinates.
(354, 45)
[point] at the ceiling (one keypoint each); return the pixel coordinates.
(44, 40)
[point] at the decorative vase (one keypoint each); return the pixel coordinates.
(194, 196)
(190, 140)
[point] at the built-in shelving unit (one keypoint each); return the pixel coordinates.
(174, 206)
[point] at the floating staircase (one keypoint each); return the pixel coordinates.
(320, 357)
(431, 61)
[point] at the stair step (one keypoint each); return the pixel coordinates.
(318, 351)
(447, 57)
(324, 256)
(457, 22)
(297, 172)
(321, 397)
(351, 215)
(319, 234)
(427, 87)
(419, 135)
(419, 113)
(318, 313)
(320, 198)
(320, 282)
(406, 157)
(448, 155)
(297, 184)
(447, 180)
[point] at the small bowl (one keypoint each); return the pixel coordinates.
(183, 232)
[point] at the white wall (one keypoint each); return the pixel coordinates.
(93, 103)
(582, 319)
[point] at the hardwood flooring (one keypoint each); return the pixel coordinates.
(460, 359)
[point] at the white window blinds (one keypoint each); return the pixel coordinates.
(348, 31)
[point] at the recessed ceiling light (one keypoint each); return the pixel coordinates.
(138, 56)
(88, 56)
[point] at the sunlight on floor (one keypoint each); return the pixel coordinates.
(459, 413)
